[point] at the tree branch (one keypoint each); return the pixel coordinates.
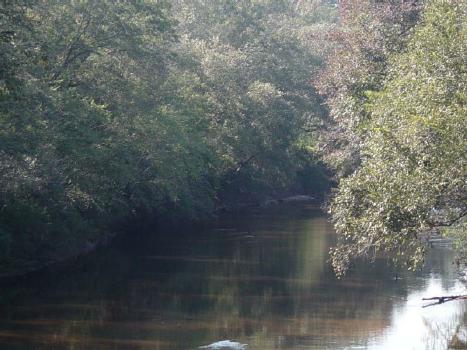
(444, 299)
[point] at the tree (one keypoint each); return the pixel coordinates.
(367, 34)
(116, 111)
(255, 65)
(412, 177)
(80, 108)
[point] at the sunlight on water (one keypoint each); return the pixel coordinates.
(415, 327)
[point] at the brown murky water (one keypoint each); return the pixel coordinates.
(260, 278)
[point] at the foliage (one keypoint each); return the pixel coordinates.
(86, 137)
(255, 64)
(412, 177)
(115, 111)
(368, 33)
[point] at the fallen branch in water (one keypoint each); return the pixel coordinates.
(444, 299)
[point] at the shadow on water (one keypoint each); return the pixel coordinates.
(260, 278)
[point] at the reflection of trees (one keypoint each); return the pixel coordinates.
(259, 278)
(276, 289)
(439, 264)
(458, 340)
(447, 335)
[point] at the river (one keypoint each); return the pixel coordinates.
(259, 277)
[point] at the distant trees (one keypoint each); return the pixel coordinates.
(412, 174)
(255, 63)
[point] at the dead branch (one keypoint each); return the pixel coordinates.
(444, 299)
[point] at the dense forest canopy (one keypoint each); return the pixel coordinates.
(115, 112)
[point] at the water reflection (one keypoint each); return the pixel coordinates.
(258, 278)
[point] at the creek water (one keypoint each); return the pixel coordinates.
(259, 277)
